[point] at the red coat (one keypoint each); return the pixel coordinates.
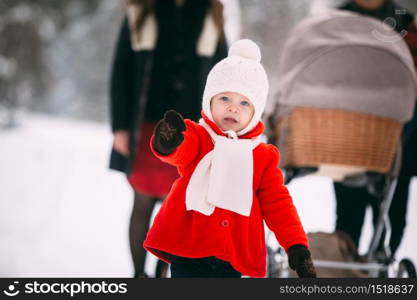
(238, 239)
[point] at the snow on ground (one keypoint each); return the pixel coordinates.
(64, 214)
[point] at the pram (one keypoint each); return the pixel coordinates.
(347, 86)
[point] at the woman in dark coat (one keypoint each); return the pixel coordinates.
(351, 202)
(163, 54)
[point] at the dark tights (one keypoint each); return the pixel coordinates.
(139, 224)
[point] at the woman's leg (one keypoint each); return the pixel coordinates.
(139, 224)
(351, 206)
(398, 209)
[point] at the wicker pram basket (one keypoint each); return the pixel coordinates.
(329, 136)
(343, 95)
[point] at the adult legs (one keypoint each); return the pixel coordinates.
(398, 211)
(139, 224)
(351, 203)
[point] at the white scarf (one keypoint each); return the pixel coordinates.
(224, 176)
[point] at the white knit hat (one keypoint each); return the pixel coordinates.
(240, 72)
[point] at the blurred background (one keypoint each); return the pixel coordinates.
(62, 211)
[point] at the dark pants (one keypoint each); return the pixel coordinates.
(209, 267)
(351, 202)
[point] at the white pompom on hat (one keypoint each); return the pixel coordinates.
(240, 72)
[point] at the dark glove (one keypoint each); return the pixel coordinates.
(299, 258)
(168, 133)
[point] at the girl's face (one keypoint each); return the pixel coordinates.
(231, 111)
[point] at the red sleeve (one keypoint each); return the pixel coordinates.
(277, 206)
(187, 151)
(411, 40)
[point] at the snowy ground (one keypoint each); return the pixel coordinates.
(64, 214)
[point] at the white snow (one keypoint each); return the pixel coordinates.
(63, 213)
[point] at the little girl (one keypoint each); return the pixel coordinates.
(212, 221)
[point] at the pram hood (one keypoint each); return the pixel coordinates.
(343, 60)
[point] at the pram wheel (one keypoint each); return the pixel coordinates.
(406, 269)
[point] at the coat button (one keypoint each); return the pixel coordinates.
(225, 223)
